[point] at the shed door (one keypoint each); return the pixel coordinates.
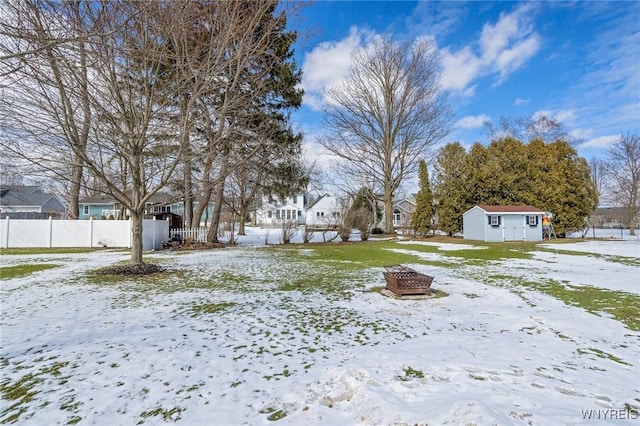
(513, 227)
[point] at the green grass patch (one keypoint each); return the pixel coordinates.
(170, 414)
(277, 415)
(19, 393)
(197, 309)
(601, 354)
(8, 272)
(157, 279)
(410, 374)
(352, 256)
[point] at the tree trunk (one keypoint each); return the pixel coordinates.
(243, 215)
(73, 211)
(136, 238)
(188, 195)
(212, 236)
(388, 211)
(203, 202)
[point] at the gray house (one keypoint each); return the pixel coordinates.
(502, 223)
(29, 202)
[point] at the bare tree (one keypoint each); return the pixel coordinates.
(623, 176)
(110, 97)
(597, 169)
(526, 129)
(254, 89)
(386, 114)
(48, 99)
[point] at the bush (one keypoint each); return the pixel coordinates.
(377, 231)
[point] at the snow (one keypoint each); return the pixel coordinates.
(132, 352)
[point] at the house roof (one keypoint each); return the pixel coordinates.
(317, 201)
(23, 196)
(510, 209)
(97, 200)
(399, 204)
(158, 198)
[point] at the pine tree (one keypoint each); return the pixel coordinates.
(421, 219)
(450, 187)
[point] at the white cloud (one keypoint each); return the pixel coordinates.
(600, 142)
(514, 58)
(473, 121)
(504, 47)
(563, 116)
(460, 69)
(520, 102)
(328, 63)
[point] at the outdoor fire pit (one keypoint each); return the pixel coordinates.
(402, 280)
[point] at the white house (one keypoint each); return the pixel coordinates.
(325, 211)
(275, 211)
(502, 223)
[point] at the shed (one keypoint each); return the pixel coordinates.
(502, 223)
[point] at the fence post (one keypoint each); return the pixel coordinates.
(50, 231)
(91, 232)
(154, 234)
(6, 243)
(130, 232)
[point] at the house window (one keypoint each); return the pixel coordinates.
(288, 214)
(269, 214)
(86, 209)
(336, 214)
(494, 220)
(278, 214)
(295, 199)
(532, 220)
(319, 214)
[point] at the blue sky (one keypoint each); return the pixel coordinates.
(578, 62)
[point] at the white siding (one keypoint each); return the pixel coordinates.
(513, 227)
(473, 224)
(325, 212)
(534, 232)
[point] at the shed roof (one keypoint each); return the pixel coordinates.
(510, 209)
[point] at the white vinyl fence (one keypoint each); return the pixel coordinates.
(79, 233)
(198, 235)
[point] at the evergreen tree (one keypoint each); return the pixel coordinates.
(421, 219)
(450, 187)
(550, 176)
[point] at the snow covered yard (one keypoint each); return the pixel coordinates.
(300, 335)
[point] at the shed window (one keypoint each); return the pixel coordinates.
(532, 220)
(494, 220)
(86, 209)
